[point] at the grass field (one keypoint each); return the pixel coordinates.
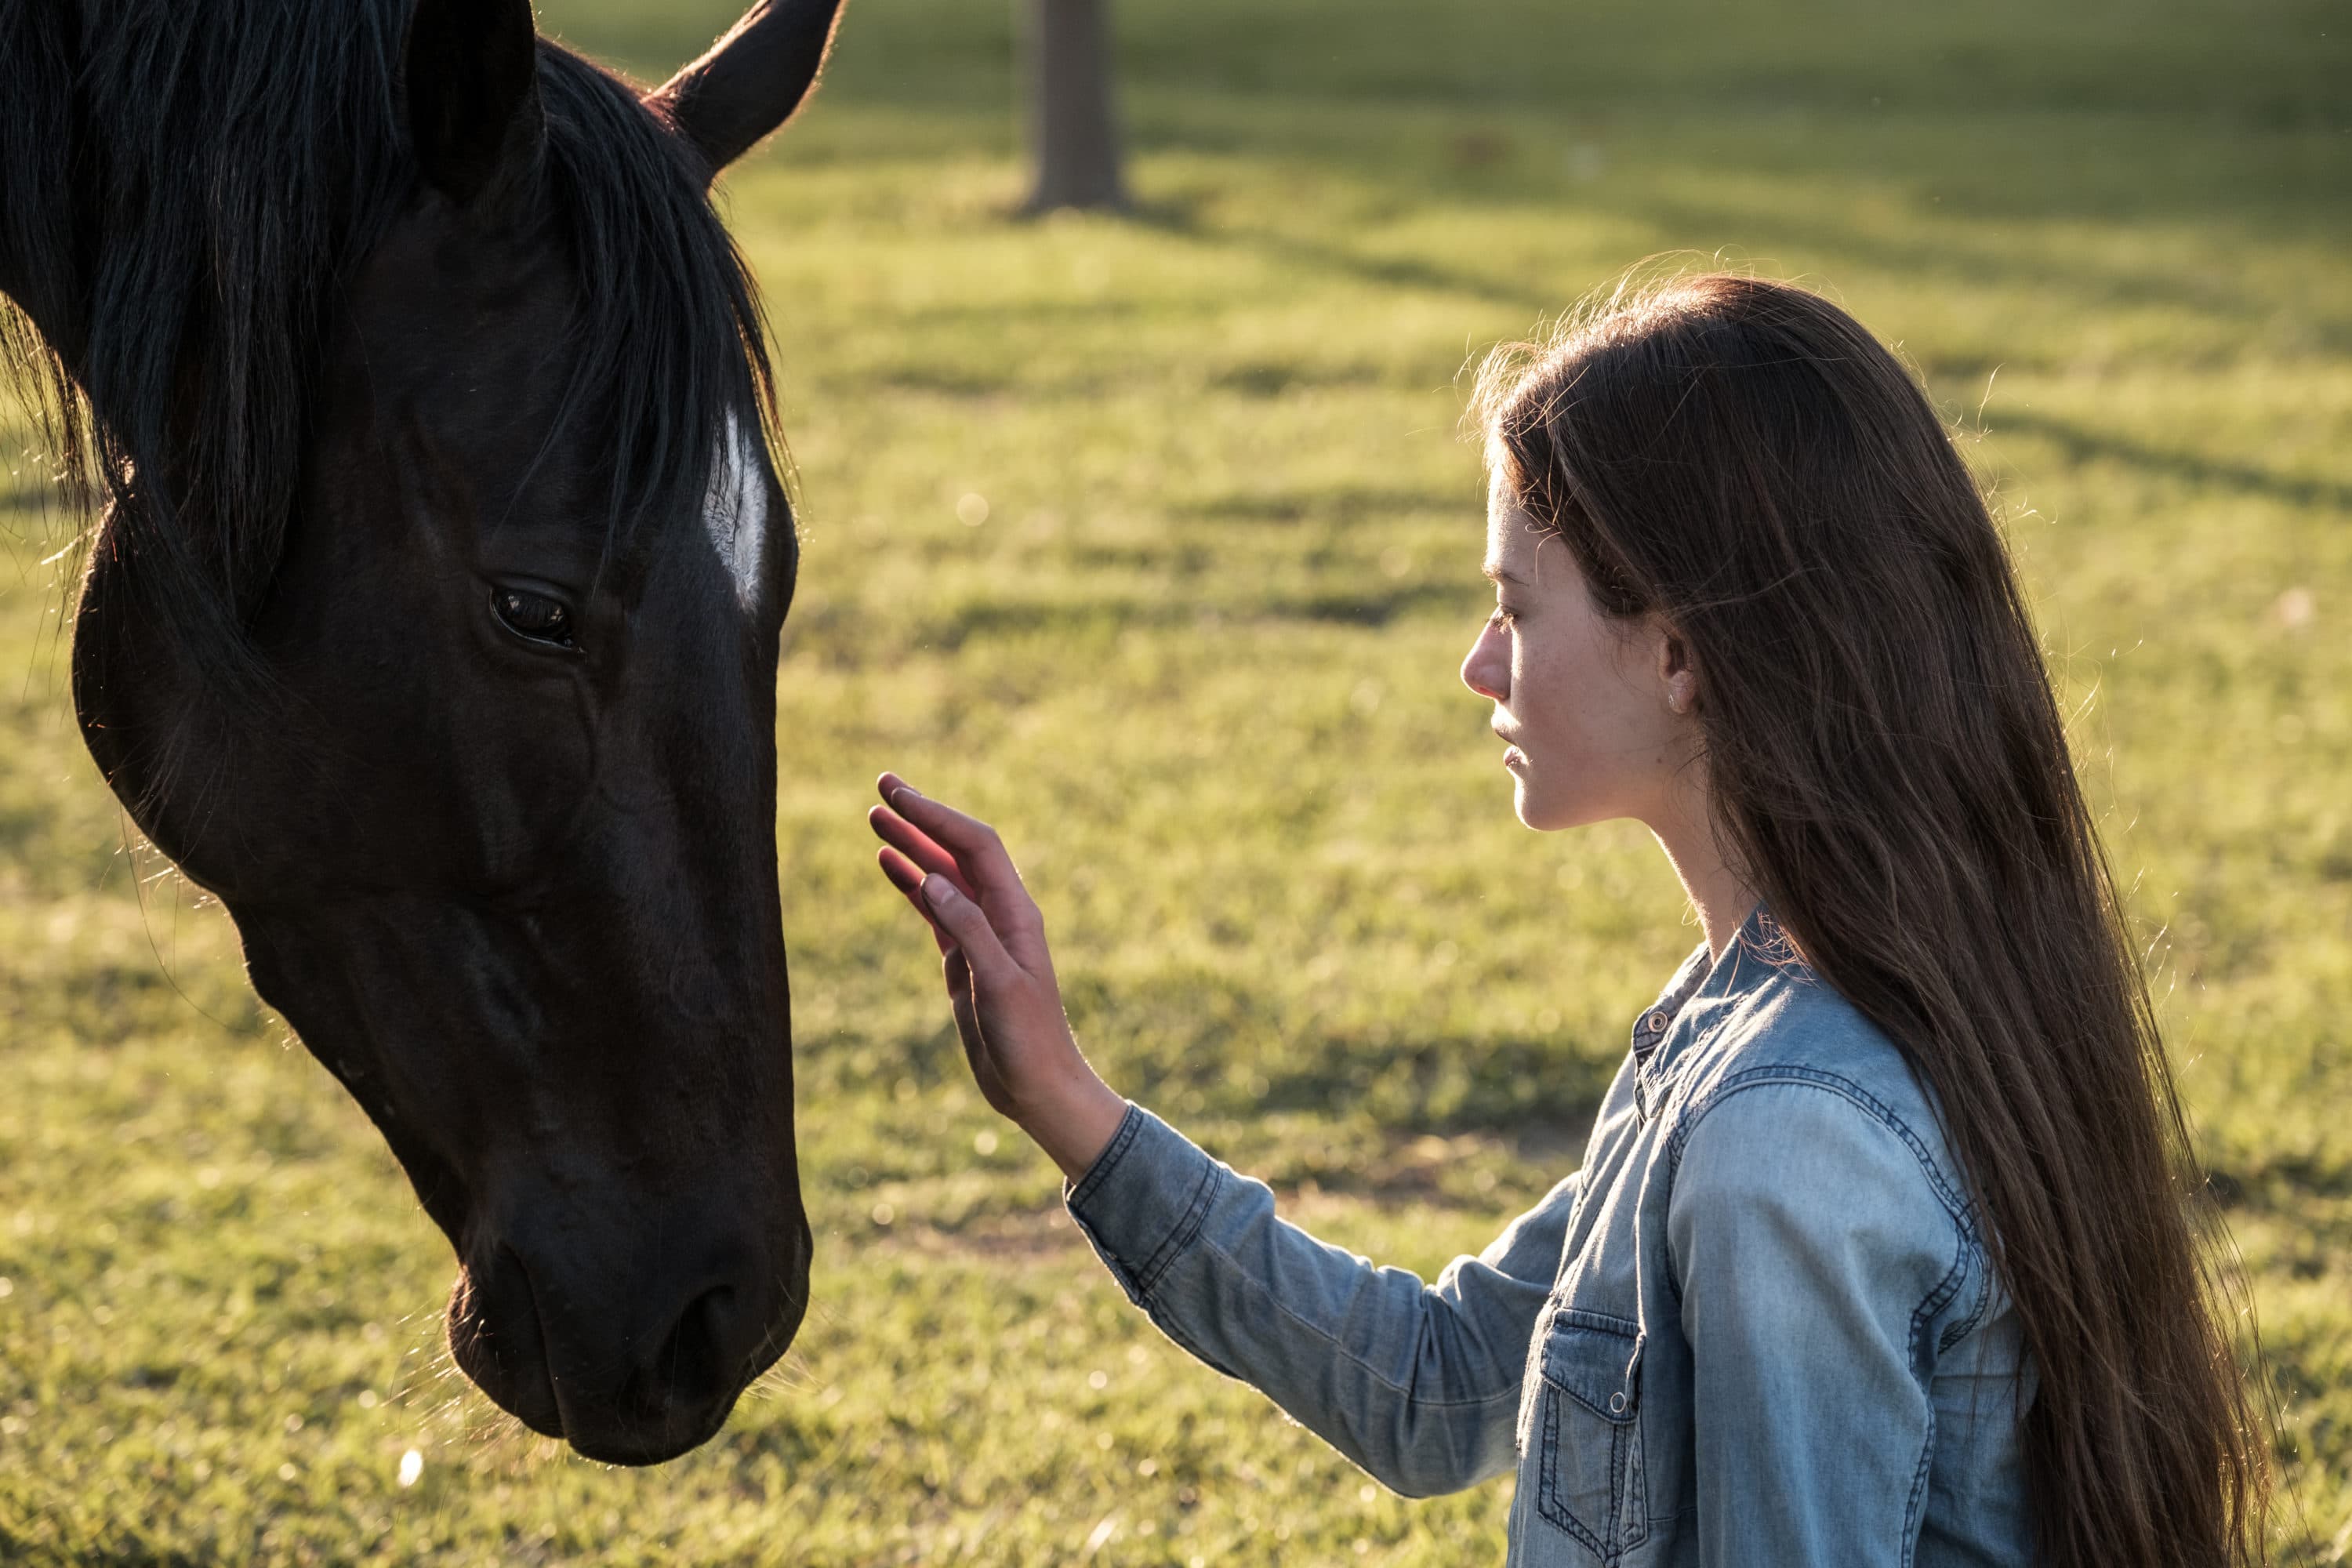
(1198, 663)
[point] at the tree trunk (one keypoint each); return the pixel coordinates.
(1072, 129)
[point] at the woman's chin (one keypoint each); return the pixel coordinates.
(1543, 812)
(1532, 808)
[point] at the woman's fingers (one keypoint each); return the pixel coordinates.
(965, 853)
(979, 853)
(903, 873)
(908, 878)
(914, 844)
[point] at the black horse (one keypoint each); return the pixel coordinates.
(431, 619)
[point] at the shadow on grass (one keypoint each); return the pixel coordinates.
(1514, 1089)
(1076, 622)
(1936, 247)
(2082, 444)
(1315, 254)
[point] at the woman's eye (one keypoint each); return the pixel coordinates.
(533, 616)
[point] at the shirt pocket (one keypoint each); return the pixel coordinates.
(1588, 1479)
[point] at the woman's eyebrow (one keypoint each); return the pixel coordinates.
(1494, 572)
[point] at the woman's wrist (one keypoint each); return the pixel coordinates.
(1074, 1120)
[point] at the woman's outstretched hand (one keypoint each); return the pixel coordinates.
(1008, 1007)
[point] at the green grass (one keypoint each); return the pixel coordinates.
(1198, 663)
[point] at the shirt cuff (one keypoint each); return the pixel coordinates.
(1142, 1202)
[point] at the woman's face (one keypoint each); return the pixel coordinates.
(1597, 711)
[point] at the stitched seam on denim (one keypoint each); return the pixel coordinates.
(1186, 1228)
(1621, 1435)
(1109, 1256)
(1548, 1498)
(1129, 1126)
(1936, 1300)
(1918, 1491)
(1631, 1522)
(1961, 1212)
(1340, 1348)
(1963, 1326)
(1618, 1439)
(1592, 1323)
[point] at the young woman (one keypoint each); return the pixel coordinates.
(1881, 1251)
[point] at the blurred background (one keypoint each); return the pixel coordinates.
(1151, 536)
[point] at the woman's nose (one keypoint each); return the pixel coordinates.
(1487, 669)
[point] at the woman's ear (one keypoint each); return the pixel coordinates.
(1677, 670)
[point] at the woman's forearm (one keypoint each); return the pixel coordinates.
(1419, 1385)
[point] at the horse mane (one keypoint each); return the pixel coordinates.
(192, 185)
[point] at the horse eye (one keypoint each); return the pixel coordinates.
(533, 616)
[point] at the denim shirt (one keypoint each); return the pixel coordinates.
(1758, 1327)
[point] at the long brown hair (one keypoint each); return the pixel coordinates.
(1889, 769)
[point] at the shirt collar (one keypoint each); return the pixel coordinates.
(1656, 1040)
(1650, 1028)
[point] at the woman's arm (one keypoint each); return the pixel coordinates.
(1420, 1384)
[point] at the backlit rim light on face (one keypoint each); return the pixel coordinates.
(735, 510)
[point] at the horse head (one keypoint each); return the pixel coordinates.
(488, 788)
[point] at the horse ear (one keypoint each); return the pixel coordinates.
(750, 82)
(472, 77)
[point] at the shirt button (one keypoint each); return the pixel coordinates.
(1617, 1404)
(1656, 1023)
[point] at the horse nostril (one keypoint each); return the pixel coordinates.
(698, 1359)
(496, 1335)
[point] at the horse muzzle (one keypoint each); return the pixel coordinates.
(631, 1359)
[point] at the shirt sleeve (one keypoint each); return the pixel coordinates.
(1815, 1245)
(1418, 1383)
